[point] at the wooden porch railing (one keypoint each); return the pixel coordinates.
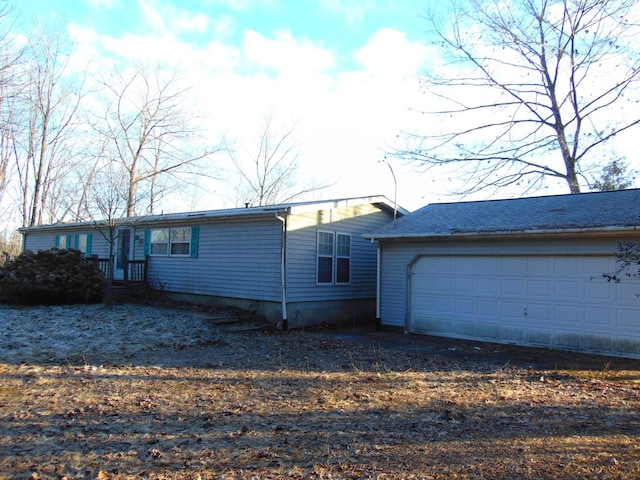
(135, 271)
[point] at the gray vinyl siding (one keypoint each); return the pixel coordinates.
(40, 241)
(46, 240)
(397, 255)
(236, 259)
(301, 252)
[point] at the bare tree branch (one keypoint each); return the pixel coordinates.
(148, 132)
(531, 89)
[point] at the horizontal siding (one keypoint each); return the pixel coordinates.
(235, 259)
(301, 252)
(46, 240)
(397, 255)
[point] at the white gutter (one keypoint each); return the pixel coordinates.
(283, 270)
(612, 230)
(378, 289)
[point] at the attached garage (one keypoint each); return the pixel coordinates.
(484, 271)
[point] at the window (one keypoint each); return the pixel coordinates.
(159, 241)
(180, 241)
(325, 257)
(63, 242)
(83, 243)
(334, 258)
(175, 242)
(343, 258)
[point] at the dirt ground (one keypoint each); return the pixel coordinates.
(150, 392)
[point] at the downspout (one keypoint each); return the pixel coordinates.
(283, 270)
(378, 269)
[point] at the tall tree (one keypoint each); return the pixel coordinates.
(149, 132)
(529, 89)
(49, 117)
(268, 171)
(11, 56)
(106, 206)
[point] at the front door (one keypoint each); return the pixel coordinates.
(123, 252)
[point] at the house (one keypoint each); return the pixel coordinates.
(526, 271)
(299, 263)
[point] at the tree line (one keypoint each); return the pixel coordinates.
(79, 143)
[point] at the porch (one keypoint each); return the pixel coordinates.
(132, 272)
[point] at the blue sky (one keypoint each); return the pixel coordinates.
(340, 26)
(346, 71)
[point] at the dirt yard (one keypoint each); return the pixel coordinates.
(150, 392)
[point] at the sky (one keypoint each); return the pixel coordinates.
(345, 71)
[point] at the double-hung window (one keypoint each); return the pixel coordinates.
(181, 241)
(159, 241)
(174, 242)
(333, 258)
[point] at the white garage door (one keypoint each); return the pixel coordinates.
(550, 301)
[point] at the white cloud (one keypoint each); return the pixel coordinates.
(353, 11)
(345, 118)
(242, 5)
(101, 3)
(284, 53)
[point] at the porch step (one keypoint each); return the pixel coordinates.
(222, 319)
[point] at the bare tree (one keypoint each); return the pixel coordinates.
(149, 132)
(50, 104)
(11, 56)
(106, 207)
(268, 172)
(530, 89)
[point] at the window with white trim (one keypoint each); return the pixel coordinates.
(181, 241)
(333, 266)
(174, 242)
(82, 243)
(159, 241)
(343, 258)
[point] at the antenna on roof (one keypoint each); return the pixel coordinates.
(395, 190)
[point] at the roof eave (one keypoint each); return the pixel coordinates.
(605, 231)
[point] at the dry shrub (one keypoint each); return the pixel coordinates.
(50, 277)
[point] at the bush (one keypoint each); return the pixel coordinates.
(51, 277)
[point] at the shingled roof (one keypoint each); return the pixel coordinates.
(586, 211)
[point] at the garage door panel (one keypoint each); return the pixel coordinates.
(568, 339)
(488, 286)
(465, 285)
(565, 314)
(489, 265)
(466, 306)
(541, 300)
(513, 310)
(598, 289)
(538, 337)
(567, 289)
(514, 286)
(538, 287)
(538, 312)
(597, 316)
(514, 266)
(488, 307)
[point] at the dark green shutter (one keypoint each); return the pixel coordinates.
(195, 233)
(147, 242)
(88, 255)
(57, 241)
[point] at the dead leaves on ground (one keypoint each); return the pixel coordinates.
(298, 406)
